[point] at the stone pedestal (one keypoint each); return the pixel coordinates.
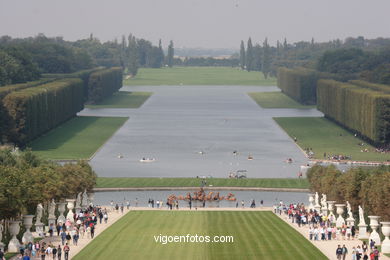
(28, 222)
(61, 209)
(78, 210)
(363, 231)
(70, 206)
(340, 220)
(374, 224)
(317, 208)
(90, 198)
(324, 211)
(386, 233)
(52, 221)
(331, 208)
(350, 221)
(14, 244)
(39, 229)
(311, 200)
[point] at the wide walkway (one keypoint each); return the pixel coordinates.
(199, 126)
(328, 247)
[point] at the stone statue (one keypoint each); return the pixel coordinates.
(52, 209)
(349, 210)
(78, 200)
(361, 216)
(39, 213)
(316, 199)
(85, 199)
(323, 201)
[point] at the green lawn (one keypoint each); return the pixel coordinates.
(194, 182)
(123, 99)
(322, 135)
(198, 76)
(256, 235)
(79, 138)
(275, 100)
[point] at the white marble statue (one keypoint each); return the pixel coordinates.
(349, 210)
(78, 200)
(39, 213)
(52, 209)
(316, 199)
(361, 216)
(85, 199)
(323, 201)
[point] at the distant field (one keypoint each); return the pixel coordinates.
(123, 99)
(199, 76)
(194, 182)
(255, 235)
(79, 138)
(276, 100)
(324, 136)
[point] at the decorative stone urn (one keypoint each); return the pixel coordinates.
(340, 220)
(61, 209)
(374, 224)
(311, 200)
(386, 233)
(70, 208)
(14, 244)
(28, 222)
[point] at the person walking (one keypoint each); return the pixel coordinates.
(66, 251)
(345, 252)
(63, 237)
(339, 252)
(105, 217)
(54, 251)
(59, 252)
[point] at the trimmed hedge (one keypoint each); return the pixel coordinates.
(104, 83)
(364, 110)
(5, 90)
(84, 75)
(300, 84)
(34, 111)
(373, 86)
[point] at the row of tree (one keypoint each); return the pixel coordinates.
(30, 109)
(23, 60)
(314, 55)
(360, 106)
(26, 181)
(360, 186)
(30, 112)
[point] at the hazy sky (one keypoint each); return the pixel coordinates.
(197, 23)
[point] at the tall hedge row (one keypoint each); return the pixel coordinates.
(300, 84)
(373, 86)
(104, 83)
(84, 75)
(34, 111)
(364, 110)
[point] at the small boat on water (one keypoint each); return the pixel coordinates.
(146, 160)
(250, 157)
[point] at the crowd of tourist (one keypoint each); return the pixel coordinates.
(68, 234)
(323, 228)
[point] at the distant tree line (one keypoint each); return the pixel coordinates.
(23, 60)
(368, 188)
(373, 54)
